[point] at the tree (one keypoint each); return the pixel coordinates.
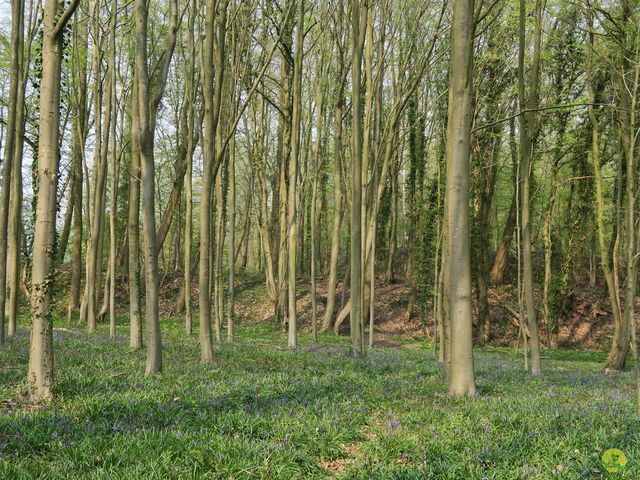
(359, 13)
(40, 373)
(80, 127)
(527, 141)
(461, 377)
(14, 116)
(213, 75)
(147, 108)
(293, 177)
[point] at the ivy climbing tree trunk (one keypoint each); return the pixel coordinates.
(40, 372)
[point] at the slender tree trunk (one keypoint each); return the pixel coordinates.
(526, 144)
(79, 138)
(114, 181)
(191, 144)
(292, 214)
(13, 127)
(327, 322)
(314, 193)
(61, 248)
(359, 13)
(212, 90)
(145, 134)
(133, 228)
(232, 241)
(15, 215)
(389, 275)
(102, 129)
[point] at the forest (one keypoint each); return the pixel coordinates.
(319, 239)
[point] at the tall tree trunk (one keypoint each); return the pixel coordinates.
(314, 193)
(15, 76)
(461, 377)
(292, 213)
(40, 372)
(500, 260)
(191, 145)
(327, 321)
(133, 228)
(79, 139)
(527, 127)
(114, 180)
(232, 241)
(359, 13)
(218, 253)
(146, 111)
(212, 89)
(102, 129)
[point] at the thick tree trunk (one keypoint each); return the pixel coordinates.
(40, 372)
(461, 377)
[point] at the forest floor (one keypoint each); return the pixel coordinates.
(262, 411)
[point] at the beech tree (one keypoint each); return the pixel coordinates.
(40, 374)
(461, 377)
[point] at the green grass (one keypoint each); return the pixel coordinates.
(261, 411)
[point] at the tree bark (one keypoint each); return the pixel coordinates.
(527, 128)
(359, 13)
(327, 322)
(292, 235)
(40, 372)
(10, 147)
(212, 90)
(461, 377)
